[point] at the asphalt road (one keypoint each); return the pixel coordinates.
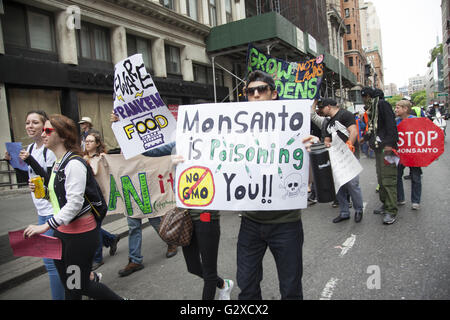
(346, 261)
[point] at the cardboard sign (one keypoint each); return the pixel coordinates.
(295, 80)
(141, 187)
(243, 155)
(145, 122)
(420, 142)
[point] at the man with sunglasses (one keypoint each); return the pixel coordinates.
(281, 231)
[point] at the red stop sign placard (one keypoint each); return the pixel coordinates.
(420, 142)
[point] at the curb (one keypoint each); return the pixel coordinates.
(32, 267)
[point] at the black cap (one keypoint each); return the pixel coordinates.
(327, 102)
(368, 91)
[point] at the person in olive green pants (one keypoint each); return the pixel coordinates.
(382, 136)
(387, 179)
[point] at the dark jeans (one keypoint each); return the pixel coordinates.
(416, 183)
(201, 256)
(285, 241)
(106, 239)
(75, 265)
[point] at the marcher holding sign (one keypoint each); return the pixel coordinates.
(240, 159)
(343, 157)
(402, 111)
(420, 143)
(144, 122)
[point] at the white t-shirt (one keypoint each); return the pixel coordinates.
(43, 206)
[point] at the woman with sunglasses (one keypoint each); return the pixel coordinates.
(39, 159)
(71, 190)
(95, 147)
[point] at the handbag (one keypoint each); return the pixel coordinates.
(176, 227)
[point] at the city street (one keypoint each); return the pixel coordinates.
(346, 261)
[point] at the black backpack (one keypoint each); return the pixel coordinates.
(93, 194)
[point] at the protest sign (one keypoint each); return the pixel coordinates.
(39, 245)
(13, 149)
(243, 155)
(344, 164)
(293, 80)
(141, 187)
(145, 122)
(420, 142)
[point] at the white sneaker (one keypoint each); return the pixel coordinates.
(415, 206)
(224, 294)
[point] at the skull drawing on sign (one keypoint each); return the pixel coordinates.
(293, 185)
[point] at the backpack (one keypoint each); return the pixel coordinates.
(93, 194)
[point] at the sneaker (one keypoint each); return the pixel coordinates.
(224, 293)
(415, 206)
(379, 210)
(97, 276)
(130, 268)
(113, 246)
(311, 200)
(388, 218)
(401, 203)
(335, 204)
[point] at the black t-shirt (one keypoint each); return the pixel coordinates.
(339, 124)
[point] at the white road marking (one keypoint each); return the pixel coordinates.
(347, 245)
(328, 291)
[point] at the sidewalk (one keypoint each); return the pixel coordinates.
(17, 212)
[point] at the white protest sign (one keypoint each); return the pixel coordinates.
(243, 155)
(344, 164)
(145, 122)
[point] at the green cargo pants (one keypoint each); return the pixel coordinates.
(387, 179)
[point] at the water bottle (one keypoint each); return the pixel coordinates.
(322, 174)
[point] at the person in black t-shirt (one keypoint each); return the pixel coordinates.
(342, 122)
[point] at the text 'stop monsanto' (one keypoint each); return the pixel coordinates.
(145, 122)
(293, 80)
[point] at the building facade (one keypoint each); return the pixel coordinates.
(60, 58)
(445, 9)
(390, 90)
(416, 83)
(355, 58)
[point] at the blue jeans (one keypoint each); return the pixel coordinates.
(285, 241)
(106, 239)
(56, 286)
(416, 183)
(353, 189)
(135, 237)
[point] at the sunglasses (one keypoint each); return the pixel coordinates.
(48, 131)
(261, 89)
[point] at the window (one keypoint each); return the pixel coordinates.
(28, 28)
(140, 45)
(191, 7)
(350, 61)
(204, 74)
(173, 62)
(212, 13)
(349, 45)
(93, 42)
(228, 11)
(347, 13)
(167, 3)
(347, 27)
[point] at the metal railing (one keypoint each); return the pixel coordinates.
(10, 173)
